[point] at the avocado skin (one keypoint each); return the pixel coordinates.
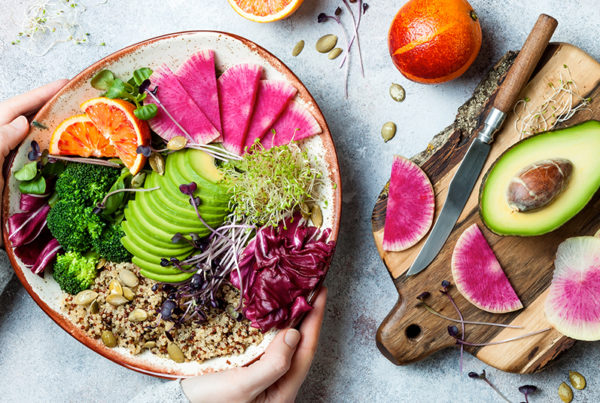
(592, 125)
(152, 218)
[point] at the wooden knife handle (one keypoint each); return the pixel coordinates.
(528, 58)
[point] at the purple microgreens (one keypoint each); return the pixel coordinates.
(355, 24)
(101, 205)
(483, 377)
(362, 10)
(444, 290)
(91, 161)
(215, 151)
(35, 152)
(527, 390)
(195, 241)
(365, 7)
(324, 17)
(338, 11)
(491, 343)
(144, 86)
(146, 151)
(421, 297)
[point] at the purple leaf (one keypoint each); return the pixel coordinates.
(24, 228)
(46, 256)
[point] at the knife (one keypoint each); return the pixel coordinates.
(465, 177)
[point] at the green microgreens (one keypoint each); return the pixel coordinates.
(268, 185)
(133, 90)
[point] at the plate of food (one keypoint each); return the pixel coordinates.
(176, 204)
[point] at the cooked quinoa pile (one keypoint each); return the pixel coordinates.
(136, 326)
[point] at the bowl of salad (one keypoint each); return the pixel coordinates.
(176, 204)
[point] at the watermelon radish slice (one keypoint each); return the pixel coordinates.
(410, 206)
(295, 123)
(238, 88)
(573, 301)
(182, 108)
(478, 275)
(198, 77)
(273, 96)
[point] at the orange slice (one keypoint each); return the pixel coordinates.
(265, 10)
(77, 135)
(114, 118)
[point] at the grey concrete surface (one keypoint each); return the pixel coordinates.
(40, 362)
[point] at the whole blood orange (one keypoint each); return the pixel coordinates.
(433, 41)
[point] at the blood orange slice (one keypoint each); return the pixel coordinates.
(77, 135)
(114, 118)
(265, 10)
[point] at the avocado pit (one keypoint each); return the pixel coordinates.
(538, 184)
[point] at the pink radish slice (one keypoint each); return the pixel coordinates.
(410, 206)
(273, 96)
(182, 108)
(197, 76)
(238, 88)
(478, 275)
(573, 301)
(295, 123)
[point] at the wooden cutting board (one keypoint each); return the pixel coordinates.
(409, 333)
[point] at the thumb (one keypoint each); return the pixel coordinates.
(12, 134)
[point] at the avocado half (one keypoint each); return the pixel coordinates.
(579, 144)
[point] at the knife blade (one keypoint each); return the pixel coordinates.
(466, 176)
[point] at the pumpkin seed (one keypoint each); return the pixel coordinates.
(305, 210)
(169, 325)
(128, 293)
(577, 380)
(101, 263)
(565, 393)
(114, 287)
(177, 143)
(109, 339)
(94, 307)
(116, 300)
(138, 180)
(175, 352)
(157, 163)
(85, 297)
(137, 315)
(388, 131)
(326, 43)
(316, 216)
(334, 53)
(298, 48)
(149, 344)
(397, 92)
(128, 278)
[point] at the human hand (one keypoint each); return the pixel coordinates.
(13, 123)
(275, 377)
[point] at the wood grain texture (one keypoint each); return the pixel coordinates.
(528, 262)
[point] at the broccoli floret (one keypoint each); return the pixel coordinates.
(85, 183)
(74, 272)
(109, 245)
(74, 225)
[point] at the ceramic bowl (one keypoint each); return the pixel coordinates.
(173, 50)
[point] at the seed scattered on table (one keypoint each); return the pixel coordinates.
(397, 92)
(388, 131)
(326, 43)
(298, 48)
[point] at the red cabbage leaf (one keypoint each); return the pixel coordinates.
(24, 228)
(280, 267)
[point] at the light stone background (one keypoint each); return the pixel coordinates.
(40, 362)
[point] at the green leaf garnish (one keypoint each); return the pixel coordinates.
(140, 75)
(103, 80)
(28, 172)
(146, 112)
(35, 186)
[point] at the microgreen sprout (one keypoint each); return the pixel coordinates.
(102, 204)
(444, 290)
(527, 390)
(483, 377)
(91, 161)
(268, 185)
(356, 25)
(35, 152)
(564, 101)
(454, 334)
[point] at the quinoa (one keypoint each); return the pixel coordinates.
(219, 335)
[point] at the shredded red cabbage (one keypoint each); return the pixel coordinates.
(29, 235)
(280, 267)
(25, 227)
